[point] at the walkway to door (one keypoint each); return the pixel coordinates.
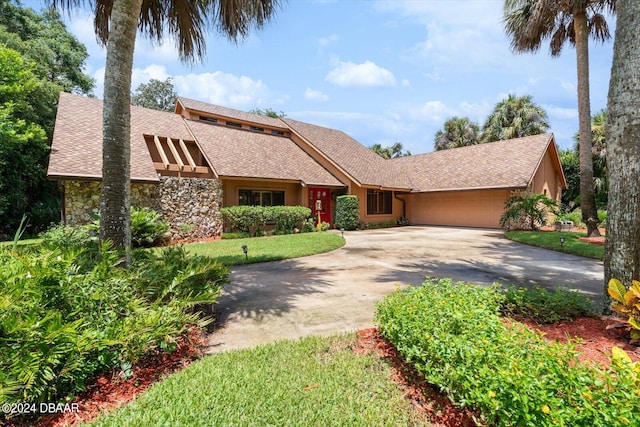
(337, 291)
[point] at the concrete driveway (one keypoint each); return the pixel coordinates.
(337, 291)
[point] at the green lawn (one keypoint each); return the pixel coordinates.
(273, 248)
(309, 382)
(551, 240)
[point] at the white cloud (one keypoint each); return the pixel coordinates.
(405, 83)
(569, 87)
(463, 34)
(222, 89)
(367, 74)
(143, 75)
(324, 41)
(561, 112)
(315, 95)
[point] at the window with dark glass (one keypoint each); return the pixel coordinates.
(208, 119)
(260, 198)
(379, 202)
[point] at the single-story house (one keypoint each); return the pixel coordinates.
(189, 163)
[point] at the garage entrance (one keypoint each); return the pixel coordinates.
(478, 208)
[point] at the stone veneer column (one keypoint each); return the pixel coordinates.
(191, 206)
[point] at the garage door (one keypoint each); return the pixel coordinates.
(482, 208)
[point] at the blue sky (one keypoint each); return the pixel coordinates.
(381, 71)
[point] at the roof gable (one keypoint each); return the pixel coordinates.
(240, 153)
(502, 164)
(364, 166)
(76, 148)
(230, 113)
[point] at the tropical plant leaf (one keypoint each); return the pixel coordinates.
(620, 355)
(634, 322)
(616, 290)
(630, 298)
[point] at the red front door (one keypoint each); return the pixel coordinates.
(320, 203)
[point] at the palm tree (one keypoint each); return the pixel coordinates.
(514, 117)
(116, 23)
(458, 132)
(598, 150)
(528, 23)
(622, 253)
(391, 152)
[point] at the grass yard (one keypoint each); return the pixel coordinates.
(309, 382)
(551, 240)
(262, 249)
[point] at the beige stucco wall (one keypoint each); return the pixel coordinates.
(547, 180)
(397, 207)
(478, 208)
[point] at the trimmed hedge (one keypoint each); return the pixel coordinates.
(453, 335)
(347, 212)
(246, 219)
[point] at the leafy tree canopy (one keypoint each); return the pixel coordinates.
(157, 95)
(458, 132)
(515, 117)
(571, 168)
(390, 152)
(58, 58)
(23, 150)
(268, 112)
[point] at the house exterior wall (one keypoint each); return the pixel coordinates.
(547, 180)
(478, 208)
(396, 211)
(82, 199)
(293, 192)
(191, 206)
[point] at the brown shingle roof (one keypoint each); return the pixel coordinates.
(77, 146)
(502, 164)
(76, 149)
(358, 161)
(195, 105)
(241, 153)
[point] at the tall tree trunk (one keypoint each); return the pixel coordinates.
(622, 252)
(587, 193)
(115, 223)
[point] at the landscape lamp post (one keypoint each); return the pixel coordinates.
(245, 249)
(562, 241)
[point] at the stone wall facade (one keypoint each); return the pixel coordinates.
(191, 206)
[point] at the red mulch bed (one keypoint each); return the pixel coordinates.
(112, 391)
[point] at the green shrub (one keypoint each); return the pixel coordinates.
(64, 319)
(67, 237)
(347, 212)
(602, 216)
(527, 210)
(575, 217)
(453, 336)
(544, 305)
(288, 218)
(246, 219)
(309, 226)
(147, 227)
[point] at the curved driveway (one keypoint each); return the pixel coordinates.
(337, 291)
